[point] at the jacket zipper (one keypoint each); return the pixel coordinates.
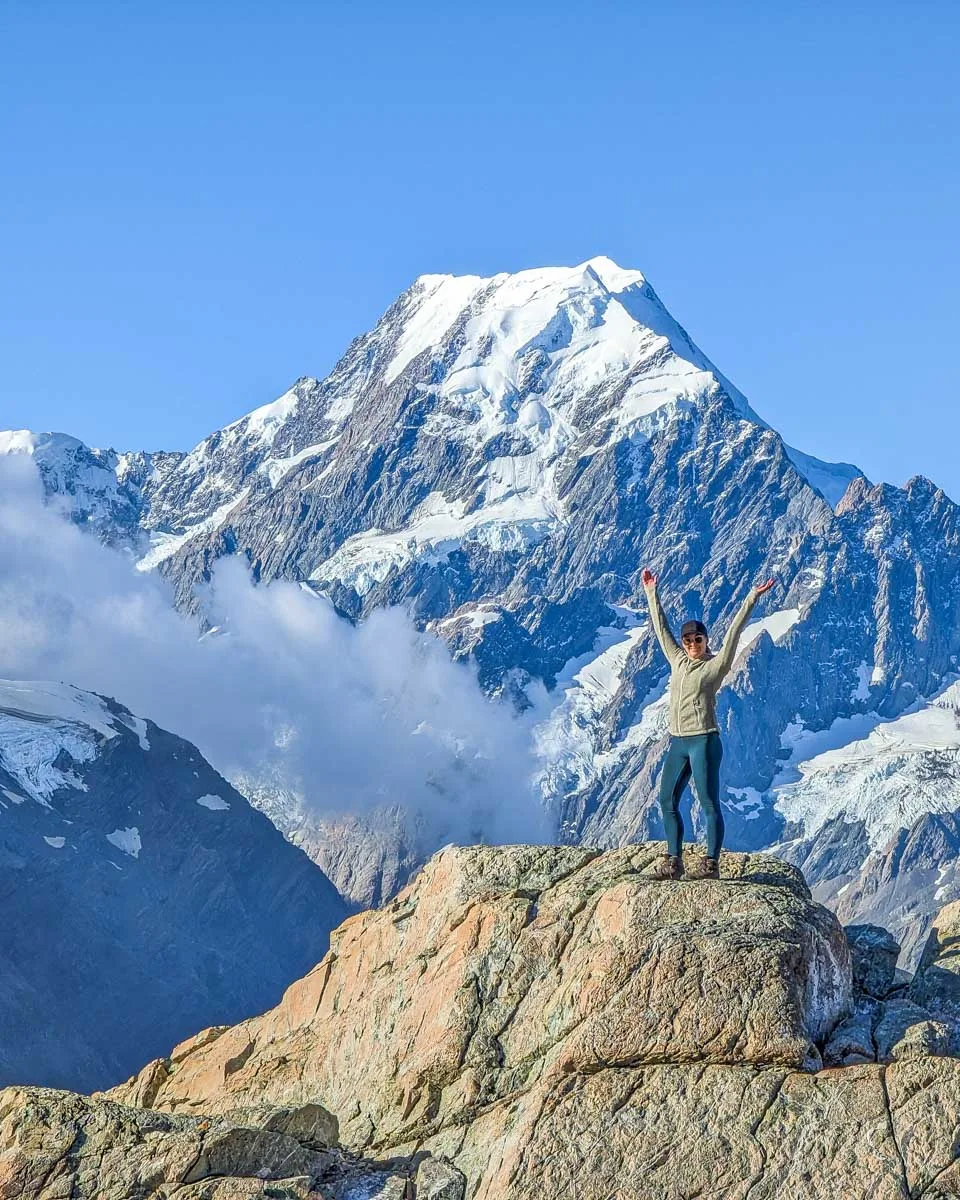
(680, 706)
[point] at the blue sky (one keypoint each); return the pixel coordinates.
(203, 202)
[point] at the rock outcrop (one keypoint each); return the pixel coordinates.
(57, 1144)
(547, 1022)
(501, 967)
(937, 981)
(896, 1016)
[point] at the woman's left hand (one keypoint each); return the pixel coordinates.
(765, 587)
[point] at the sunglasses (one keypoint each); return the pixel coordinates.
(694, 640)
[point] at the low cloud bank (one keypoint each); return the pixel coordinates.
(351, 717)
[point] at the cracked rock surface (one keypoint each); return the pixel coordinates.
(55, 1145)
(538, 1023)
(499, 967)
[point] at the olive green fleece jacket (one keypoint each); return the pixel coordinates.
(694, 683)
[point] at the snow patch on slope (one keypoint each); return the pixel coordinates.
(138, 726)
(567, 742)
(214, 803)
(57, 701)
(40, 721)
(266, 422)
(276, 468)
(256, 430)
(476, 617)
(777, 624)
(749, 801)
(29, 749)
(865, 676)
(831, 480)
(164, 545)
(438, 528)
(439, 300)
(886, 773)
(127, 840)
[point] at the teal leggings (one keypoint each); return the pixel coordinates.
(698, 755)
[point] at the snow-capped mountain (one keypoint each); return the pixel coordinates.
(142, 896)
(453, 427)
(503, 456)
(98, 489)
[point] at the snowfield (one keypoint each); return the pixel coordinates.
(42, 722)
(884, 773)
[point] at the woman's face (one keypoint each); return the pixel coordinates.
(695, 645)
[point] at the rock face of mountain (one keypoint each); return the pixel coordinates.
(503, 456)
(100, 490)
(142, 895)
(368, 856)
(550, 1021)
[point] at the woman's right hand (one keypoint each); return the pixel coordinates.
(648, 577)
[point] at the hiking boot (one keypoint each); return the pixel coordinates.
(668, 867)
(704, 868)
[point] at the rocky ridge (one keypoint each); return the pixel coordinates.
(141, 894)
(549, 1021)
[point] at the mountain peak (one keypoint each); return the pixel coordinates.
(592, 327)
(25, 441)
(613, 276)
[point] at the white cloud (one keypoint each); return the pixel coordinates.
(353, 716)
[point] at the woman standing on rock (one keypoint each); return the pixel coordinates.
(696, 675)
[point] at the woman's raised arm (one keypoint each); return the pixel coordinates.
(661, 627)
(721, 663)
